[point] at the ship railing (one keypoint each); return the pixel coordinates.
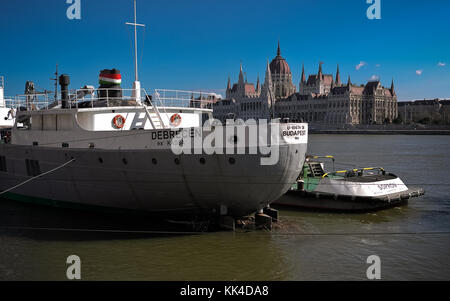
(10, 102)
(30, 102)
(89, 97)
(357, 171)
(180, 98)
(160, 98)
(112, 97)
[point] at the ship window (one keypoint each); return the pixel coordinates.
(3, 163)
(125, 161)
(232, 161)
(177, 161)
(100, 160)
(33, 168)
(203, 161)
(154, 161)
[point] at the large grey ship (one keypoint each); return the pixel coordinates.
(109, 147)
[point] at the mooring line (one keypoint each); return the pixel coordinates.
(100, 230)
(36, 177)
(237, 232)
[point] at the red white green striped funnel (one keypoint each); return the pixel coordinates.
(110, 79)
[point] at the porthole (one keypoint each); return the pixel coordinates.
(125, 161)
(232, 161)
(177, 161)
(154, 161)
(203, 161)
(100, 160)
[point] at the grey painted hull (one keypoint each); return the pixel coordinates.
(151, 180)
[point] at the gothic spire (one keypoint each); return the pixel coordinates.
(349, 83)
(268, 74)
(338, 76)
(392, 87)
(278, 50)
(320, 71)
(229, 84)
(258, 85)
(268, 79)
(241, 76)
(303, 74)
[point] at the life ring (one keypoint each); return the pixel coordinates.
(175, 120)
(119, 121)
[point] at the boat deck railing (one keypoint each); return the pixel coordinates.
(180, 98)
(356, 171)
(90, 97)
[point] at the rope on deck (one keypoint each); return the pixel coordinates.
(36, 177)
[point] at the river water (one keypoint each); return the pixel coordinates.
(412, 241)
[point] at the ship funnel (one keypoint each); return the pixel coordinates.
(110, 80)
(64, 81)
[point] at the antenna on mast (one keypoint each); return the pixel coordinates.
(56, 83)
(136, 84)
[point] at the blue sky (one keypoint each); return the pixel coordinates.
(197, 44)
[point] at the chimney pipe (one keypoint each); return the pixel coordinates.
(64, 81)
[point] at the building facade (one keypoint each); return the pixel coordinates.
(426, 111)
(321, 98)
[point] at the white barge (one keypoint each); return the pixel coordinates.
(361, 189)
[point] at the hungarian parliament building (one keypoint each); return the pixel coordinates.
(321, 99)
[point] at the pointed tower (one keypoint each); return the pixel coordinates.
(258, 86)
(267, 92)
(338, 76)
(349, 83)
(302, 80)
(268, 79)
(228, 91)
(392, 88)
(241, 76)
(303, 74)
(320, 74)
(278, 50)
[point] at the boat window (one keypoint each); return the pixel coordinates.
(3, 163)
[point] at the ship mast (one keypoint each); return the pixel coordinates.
(56, 83)
(136, 84)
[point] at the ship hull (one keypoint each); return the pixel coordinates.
(153, 181)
